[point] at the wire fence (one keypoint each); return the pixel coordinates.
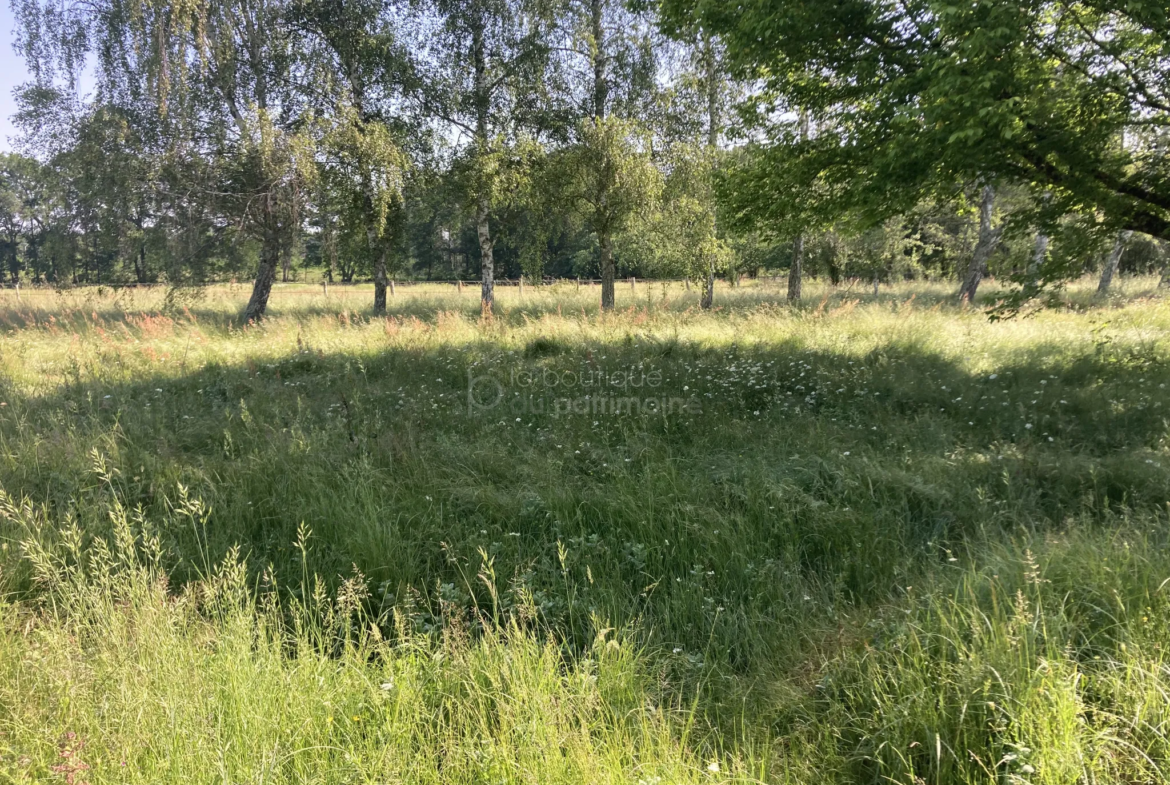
(312, 287)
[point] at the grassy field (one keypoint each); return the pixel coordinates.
(863, 541)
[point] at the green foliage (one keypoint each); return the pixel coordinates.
(363, 172)
(862, 128)
(920, 98)
(608, 175)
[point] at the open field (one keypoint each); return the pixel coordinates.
(862, 541)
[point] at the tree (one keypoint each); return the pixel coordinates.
(920, 97)
(796, 272)
(488, 84)
(364, 170)
(364, 70)
(21, 190)
(1109, 269)
(610, 179)
(610, 166)
(214, 80)
(989, 239)
(684, 238)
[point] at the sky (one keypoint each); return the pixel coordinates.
(12, 74)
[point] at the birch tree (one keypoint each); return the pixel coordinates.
(985, 246)
(1112, 262)
(486, 76)
(358, 72)
(217, 76)
(610, 52)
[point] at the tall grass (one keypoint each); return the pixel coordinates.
(891, 541)
(120, 679)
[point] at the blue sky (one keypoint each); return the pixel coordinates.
(12, 74)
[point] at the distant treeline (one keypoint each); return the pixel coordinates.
(485, 139)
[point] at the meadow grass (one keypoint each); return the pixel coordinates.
(864, 540)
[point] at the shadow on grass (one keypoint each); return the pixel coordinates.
(789, 474)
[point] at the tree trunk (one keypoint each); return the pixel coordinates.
(1039, 254)
(286, 262)
(988, 241)
(1112, 262)
(140, 264)
(710, 62)
(487, 258)
(330, 243)
(482, 203)
(380, 282)
(265, 275)
(607, 273)
(796, 272)
(708, 298)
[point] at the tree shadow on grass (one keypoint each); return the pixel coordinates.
(840, 468)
